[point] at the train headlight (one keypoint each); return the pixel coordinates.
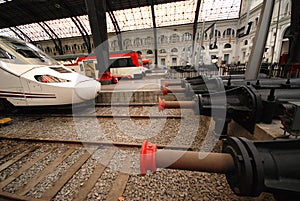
(49, 79)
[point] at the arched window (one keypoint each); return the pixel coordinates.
(56, 48)
(137, 42)
(187, 36)
(228, 32)
(74, 47)
(213, 46)
(174, 38)
(127, 43)
(83, 46)
(198, 38)
(114, 44)
(48, 49)
(246, 42)
(162, 51)
(227, 46)
(149, 52)
(217, 34)
(149, 40)
(67, 47)
(163, 39)
(174, 50)
(256, 21)
(205, 36)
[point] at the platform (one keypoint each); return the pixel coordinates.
(145, 91)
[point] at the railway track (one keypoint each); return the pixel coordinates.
(34, 167)
(39, 169)
(23, 151)
(108, 116)
(103, 112)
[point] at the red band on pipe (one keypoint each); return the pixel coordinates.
(161, 104)
(147, 158)
(165, 91)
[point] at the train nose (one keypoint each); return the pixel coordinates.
(87, 90)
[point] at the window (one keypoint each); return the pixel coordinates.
(227, 46)
(163, 39)
(162, 51)
(174, 38)
(74, 47)
(205, 36)
(149, 40)
(174, 50)
(114, 44)
(246, 42)
(121, 62)
(174, 61)
(149, 52)
(48, 49)
(67, 47)
(217, 34)
(187, 36)
(163, 61)
(127, 43)
(199, 37)
(83, 46)
(226, 58)
(137, 42)
(256, 21)
(228, 32)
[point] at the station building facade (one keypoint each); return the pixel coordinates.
(229, 40)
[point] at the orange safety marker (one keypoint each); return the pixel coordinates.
(5, 121)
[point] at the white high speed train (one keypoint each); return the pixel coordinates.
(28, 77)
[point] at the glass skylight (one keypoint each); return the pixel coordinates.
(168, 14)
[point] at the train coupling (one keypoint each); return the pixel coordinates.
(251, 167)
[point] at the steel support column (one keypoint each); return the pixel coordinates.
(195, 31)
(59, 45)
(24, 34)
(155, 35)
(294, 53)
(83, 32)
(78, 24)
(115, 24)
(97, 16)
(261, 36)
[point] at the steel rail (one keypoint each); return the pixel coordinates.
(102, 116)
(91, 143)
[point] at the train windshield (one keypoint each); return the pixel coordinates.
(27, 50)
(121, 62)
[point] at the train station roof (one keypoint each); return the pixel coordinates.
(20, 12)
(25, 15)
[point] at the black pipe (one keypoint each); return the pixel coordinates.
(264, 166)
